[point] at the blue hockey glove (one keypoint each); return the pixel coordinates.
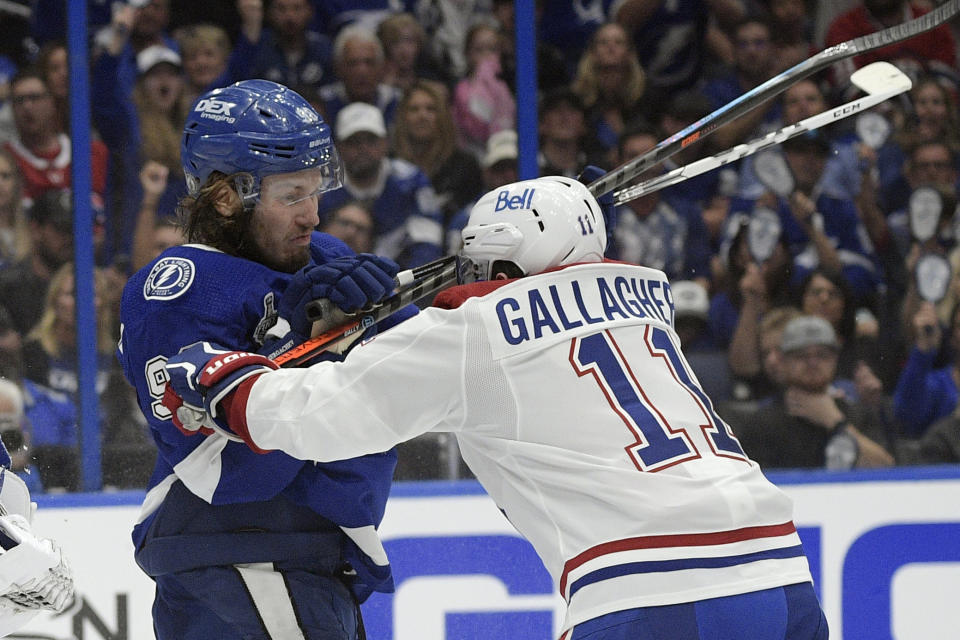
(588, 175)
(350, 283)
(202, 376)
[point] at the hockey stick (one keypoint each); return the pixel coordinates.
(318, 309)
(434, 277)
(626, 172)
(880, 80)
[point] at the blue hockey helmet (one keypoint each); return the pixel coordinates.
(256, 128)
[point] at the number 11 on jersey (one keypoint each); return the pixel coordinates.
(659, 445)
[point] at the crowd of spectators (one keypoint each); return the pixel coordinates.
(799, 307)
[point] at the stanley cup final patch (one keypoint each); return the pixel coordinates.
(169, 278)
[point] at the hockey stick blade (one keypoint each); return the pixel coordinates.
(776, 85)
(881, 80)
(431, 284)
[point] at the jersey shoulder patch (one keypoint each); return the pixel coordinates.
(170, 277)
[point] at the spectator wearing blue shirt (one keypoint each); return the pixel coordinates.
(927, 388)
(671, 38)
(656, 231)
(358, 62)
(409, 225)
(822, 231)
(291, 53)
(753, 64)
(841, 175)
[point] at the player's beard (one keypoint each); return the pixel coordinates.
(251, 249)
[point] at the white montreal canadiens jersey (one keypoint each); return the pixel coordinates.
(576, 410)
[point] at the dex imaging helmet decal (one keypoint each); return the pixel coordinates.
(168, 279)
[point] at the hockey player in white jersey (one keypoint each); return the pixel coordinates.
(562, 377)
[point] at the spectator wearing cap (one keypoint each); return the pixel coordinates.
(358, 62)
(24, 282)
(807, 425)
(133, 27)
(139, 127)
(44, 153)
(425, 135)
(409, 225)
(499, 163)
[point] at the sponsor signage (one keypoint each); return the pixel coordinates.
(884, 549)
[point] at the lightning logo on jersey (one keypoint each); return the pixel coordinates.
(169, 278)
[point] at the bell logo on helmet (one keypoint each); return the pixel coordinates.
(522, 201)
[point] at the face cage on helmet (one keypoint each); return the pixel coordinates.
(247, 185)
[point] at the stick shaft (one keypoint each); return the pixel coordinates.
(429, 285)
(324, 311)
(745, 149)
(772, 87)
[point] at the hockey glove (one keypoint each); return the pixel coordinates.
(350, 283)
(609, 210)
(202, 376)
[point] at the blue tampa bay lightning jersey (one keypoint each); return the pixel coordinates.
(208, 486)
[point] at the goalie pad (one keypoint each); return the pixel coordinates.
(34, 574)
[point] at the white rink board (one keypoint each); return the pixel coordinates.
(887, 541)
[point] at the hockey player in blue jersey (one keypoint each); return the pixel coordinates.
(242, 545)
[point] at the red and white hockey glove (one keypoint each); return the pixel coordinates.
(203, 379)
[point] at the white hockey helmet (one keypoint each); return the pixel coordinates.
(535, 224)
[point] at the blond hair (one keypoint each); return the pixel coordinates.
(442, 145)
(585, 82)
(22, 245)
(45, 331)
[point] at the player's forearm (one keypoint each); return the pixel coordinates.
(385, 393)
(309, 414)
